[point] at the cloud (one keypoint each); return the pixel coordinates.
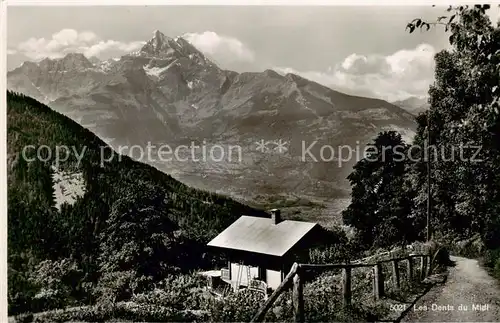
(220, 47)
(405, 73)
(112, 45)
(71, 41)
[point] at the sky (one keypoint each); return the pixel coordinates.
(358, 50)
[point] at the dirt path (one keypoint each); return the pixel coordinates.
(469, 295)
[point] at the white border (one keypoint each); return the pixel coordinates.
(445, 3)
(3, 161)
(3, 75)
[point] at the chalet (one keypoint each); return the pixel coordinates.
(260, 250)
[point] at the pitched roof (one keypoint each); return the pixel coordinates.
(260, 235)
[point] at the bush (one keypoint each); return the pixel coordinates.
(469, 248)
(24, 318)
(115, 286)
(496, 269)
(490, 257)
(328, 255)
(52, 284)
(237, 307)
(179, 292)
(492, 260)
(128, 311)
(86, 314)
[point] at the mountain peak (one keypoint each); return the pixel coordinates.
(164, 47)
(69, 62)
(159, 37)
(159, 45)
(94, 60)
(75, 57)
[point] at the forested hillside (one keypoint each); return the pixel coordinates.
(133, 225)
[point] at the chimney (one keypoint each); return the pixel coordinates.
(275, 216)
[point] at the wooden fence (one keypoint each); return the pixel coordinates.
(296, 274)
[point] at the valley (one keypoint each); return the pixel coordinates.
(169, 93)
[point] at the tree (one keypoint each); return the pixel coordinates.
(381, 203)
(464, 116)
(138, 233)
(57, 281)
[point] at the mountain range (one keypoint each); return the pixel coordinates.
(169, 93)
(414, 105)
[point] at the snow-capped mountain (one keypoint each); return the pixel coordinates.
(168, 92)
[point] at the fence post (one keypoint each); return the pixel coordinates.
(378, 286)
(346, 286)
(298, 296)
(395, 274)
(409, 271)
(429, 264)
(423, 267)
